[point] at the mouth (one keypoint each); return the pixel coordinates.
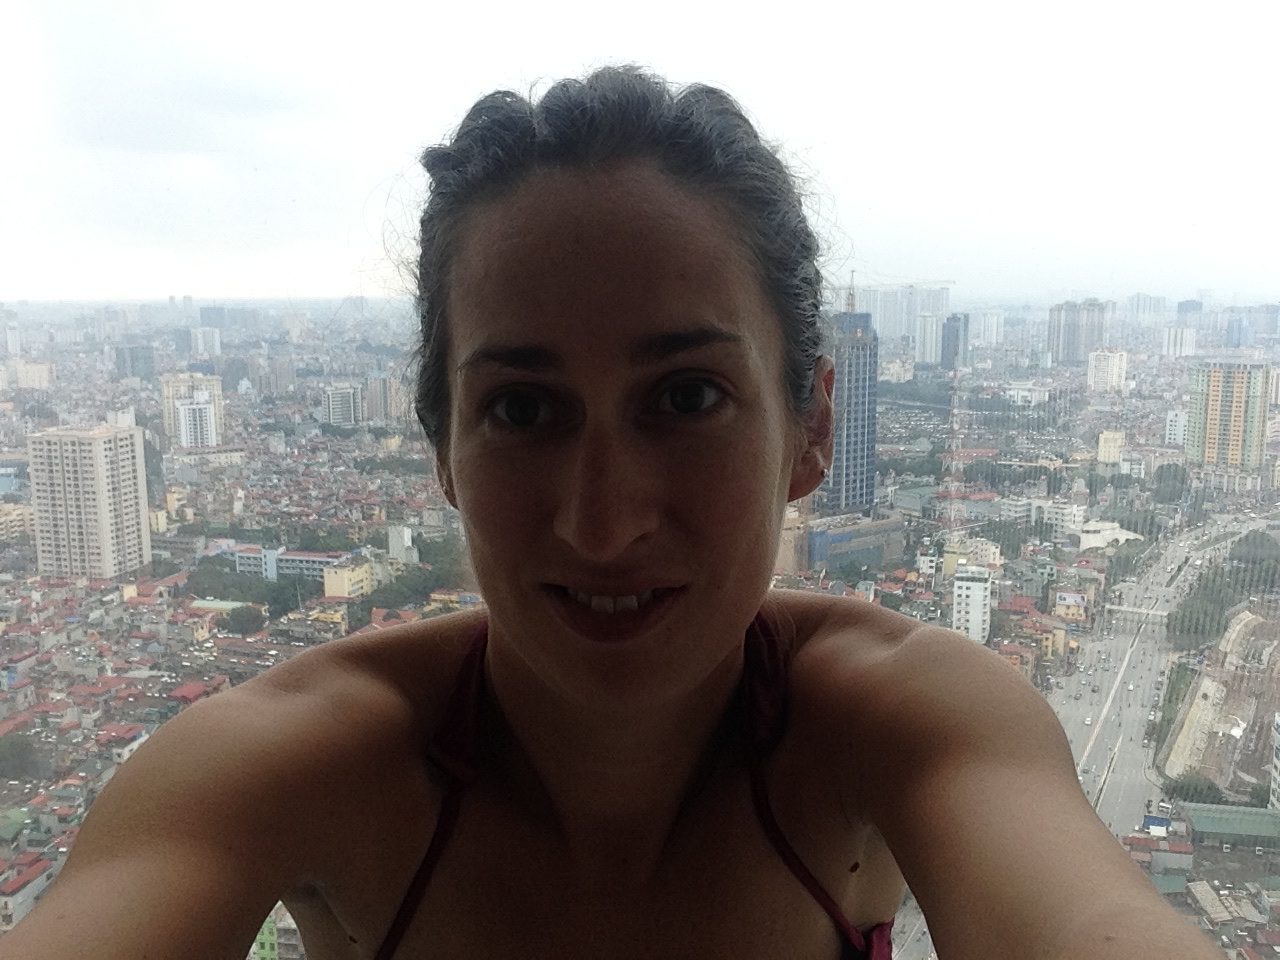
(611, 619)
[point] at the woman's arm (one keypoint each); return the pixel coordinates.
(967, 773)
(175, 859)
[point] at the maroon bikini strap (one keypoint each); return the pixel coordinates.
(452, 754)
(765, 682)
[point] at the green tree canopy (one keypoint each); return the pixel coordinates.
(18, 757)
(1194, 788)
(1169, 483)
(244, 621)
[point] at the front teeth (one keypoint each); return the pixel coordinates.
(612, 604)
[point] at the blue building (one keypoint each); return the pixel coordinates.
(850, 486)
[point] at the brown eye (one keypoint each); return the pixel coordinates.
(518, 411)
(692, 396)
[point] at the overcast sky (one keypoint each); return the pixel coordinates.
(1020, 150)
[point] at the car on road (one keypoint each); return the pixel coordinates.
(1078, 696)
(1088, 721)
(1131, 686)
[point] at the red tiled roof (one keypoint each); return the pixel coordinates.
(25, 877)
(188, 692)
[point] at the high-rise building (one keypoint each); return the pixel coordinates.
(1077, 329)
(197, 421)
(1108, 370)
(1110, 447)
(89, 496)
(13, 338)
(135, 360)
(850, 486)
(1175, 428)
(990, 327)
(929, 338)
(895, 309)
(971, 602)
(1190, 313)
(1238, 331)
(178, 387)
(1227, 422)
(198, 342)
(1179, 342)
(1146, 310)
(213, 317)
(955, 342)
(377, 397)
(344, 405)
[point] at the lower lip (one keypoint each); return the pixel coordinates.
(610, 627)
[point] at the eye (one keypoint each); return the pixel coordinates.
(692, 396)
(519, 410)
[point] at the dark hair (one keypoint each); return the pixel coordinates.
(698, 135)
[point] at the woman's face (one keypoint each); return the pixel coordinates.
(618, 424)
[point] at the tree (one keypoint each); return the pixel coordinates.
(18, 757)
(161, 567)
(1260, 794)
(1194, 788)
(244, 620)
(1169, 483)
(154, 469)
(327, 539)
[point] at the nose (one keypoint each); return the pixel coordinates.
(608, 497)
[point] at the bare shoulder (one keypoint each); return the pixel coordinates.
(910, 695)
(391, 680)
(936, 736)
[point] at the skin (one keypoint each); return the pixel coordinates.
(609, 486)
(612, 812)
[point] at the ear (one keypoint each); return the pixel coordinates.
(814, 444)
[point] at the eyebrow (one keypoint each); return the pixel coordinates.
(652, 349)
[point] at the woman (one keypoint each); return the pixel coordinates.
(637, 749)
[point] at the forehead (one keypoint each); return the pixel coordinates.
(572, 253)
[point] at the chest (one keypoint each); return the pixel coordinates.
(502, 887)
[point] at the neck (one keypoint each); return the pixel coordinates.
(612, 783)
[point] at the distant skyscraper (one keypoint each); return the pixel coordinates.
(213, 317)
(1076, 329)
(13, 338)
(344, 405)
(1179, 342)
(1146, 310)
(895, 309)
(850, 486)
(928, 338)
(1175, 428)
(89, 496)
(990, 327)
(176, 388)
(1108, 370)
(1238, 333)
(1227, 422)
(377, 397)
(971, 602)
(135, 360)
(955, 342)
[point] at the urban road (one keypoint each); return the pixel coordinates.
(1106, 727)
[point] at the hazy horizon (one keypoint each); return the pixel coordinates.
(1014, 151)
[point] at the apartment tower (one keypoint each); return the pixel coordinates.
(89, 497)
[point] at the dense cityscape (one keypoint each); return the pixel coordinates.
(197, 490)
